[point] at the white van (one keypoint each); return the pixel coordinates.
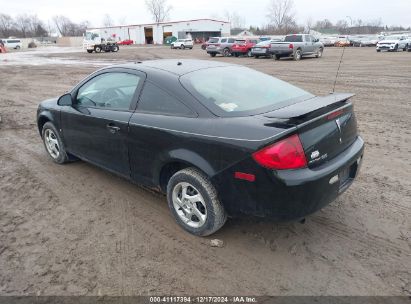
(12, 43)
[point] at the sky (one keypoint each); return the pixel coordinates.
(393, 12)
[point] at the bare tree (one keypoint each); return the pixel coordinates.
(68, 28)
(107, 20)
(236, 21)
(159, 9)
(281, 15)
(6, 25)
(23, 24)
(309, 25)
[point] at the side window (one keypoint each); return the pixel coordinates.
(155, 100)
(223, 40)
(308, 38)
(112, 91)
(231, 40)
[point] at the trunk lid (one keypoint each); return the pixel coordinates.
(326, 125)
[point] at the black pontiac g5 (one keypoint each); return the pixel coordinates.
(220, 139)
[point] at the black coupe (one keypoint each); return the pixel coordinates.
(220, 139)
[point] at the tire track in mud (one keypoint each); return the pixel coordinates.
(149, 223)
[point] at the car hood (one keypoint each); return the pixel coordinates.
(49, 103)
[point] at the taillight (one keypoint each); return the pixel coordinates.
(285, 154)
(291, 46)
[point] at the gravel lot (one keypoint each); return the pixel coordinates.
(78, 230)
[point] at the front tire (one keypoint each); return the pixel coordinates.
(226, 52)
(97, 49)
(89, 51)
(53, 144)
(182, 47)
(115, 48)
(212, 54)
(194, 203)
(319, 53)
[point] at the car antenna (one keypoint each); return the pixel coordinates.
(338, 70)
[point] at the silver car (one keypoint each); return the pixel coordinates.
(220, 45)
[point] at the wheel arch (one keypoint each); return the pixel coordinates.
(179, 160)
(43, 119)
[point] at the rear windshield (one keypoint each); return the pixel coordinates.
(213, 40)
(294, 38)
(240, 91)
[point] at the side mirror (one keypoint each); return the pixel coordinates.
(316, 40)
(65, 100)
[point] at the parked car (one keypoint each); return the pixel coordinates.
(12, 43)
(243, 47)
(125, 42)
(204, 45)
(328, 41)
(182, 44)
(262, 49)
(220, 45)
(342, 41)
(219, 139)
(393, 43)
(364, 40)
(296, 46)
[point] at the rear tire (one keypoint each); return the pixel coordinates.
(53, 144)
(212, 54)
(226, 52)
(277, 57)
(97, 49)
(297, 55)
(198, 200)
(115, 48)
(405, 48)
(182, 47)
(249, 54)
(89, 51)
(256, 57)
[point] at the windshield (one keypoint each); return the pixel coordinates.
(264, 43)
(213, 40)
(294, 38)
(240, 91)
(392, 38)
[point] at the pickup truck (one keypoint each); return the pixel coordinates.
(296, 46)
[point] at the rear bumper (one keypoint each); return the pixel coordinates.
(288, 194)
(282, 53)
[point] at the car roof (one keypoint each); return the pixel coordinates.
(174, 66)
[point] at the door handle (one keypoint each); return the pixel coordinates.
(113, 128)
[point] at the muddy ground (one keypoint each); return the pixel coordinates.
(78, 230)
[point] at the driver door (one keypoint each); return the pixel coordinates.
(95, 127)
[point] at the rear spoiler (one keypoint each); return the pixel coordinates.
(306, 107)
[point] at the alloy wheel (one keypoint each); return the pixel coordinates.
(189, 205)
(52, 143)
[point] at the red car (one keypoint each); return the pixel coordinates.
(243, 47)
(125, 42)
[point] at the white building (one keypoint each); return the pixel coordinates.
(155, 33)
